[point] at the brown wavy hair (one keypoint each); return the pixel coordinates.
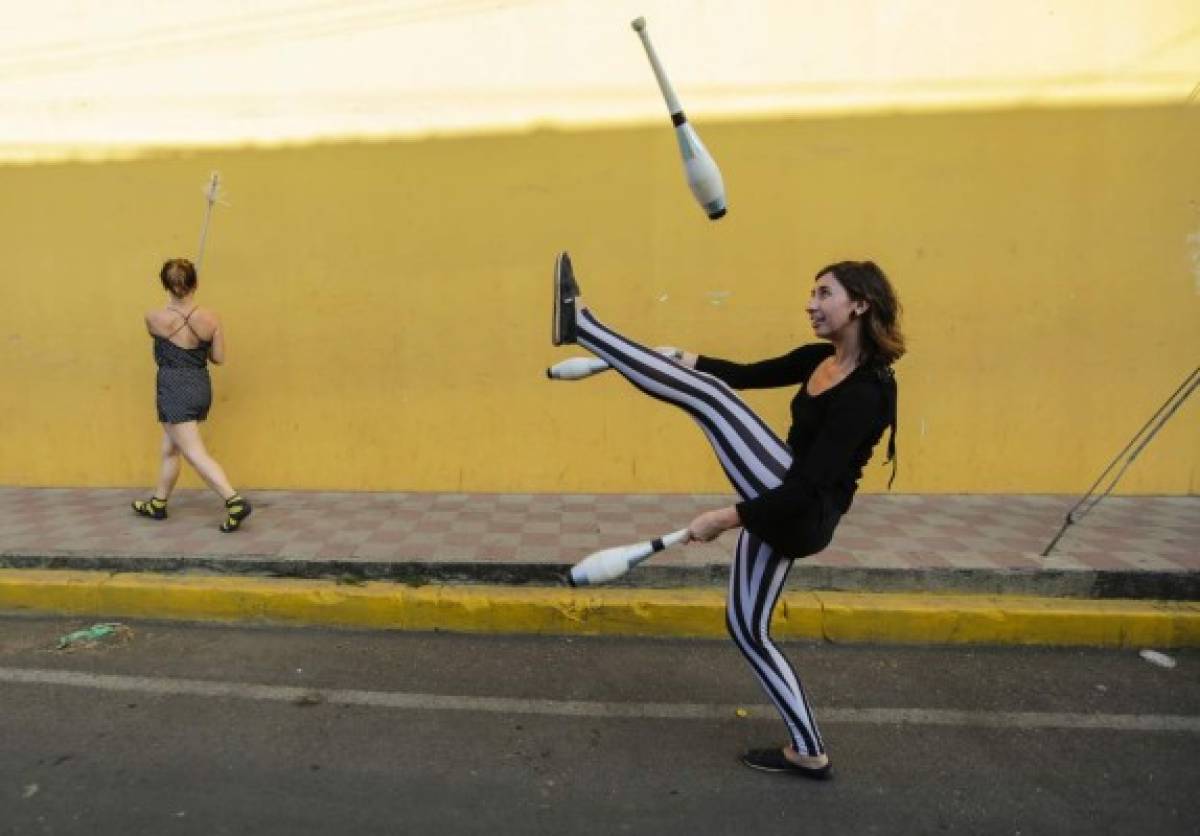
(178, 277)
(864, 281)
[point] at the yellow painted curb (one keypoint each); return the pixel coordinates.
(1009, 619)
(698, 613)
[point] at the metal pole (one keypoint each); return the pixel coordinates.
(1156, 422)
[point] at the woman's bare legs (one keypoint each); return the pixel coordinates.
(168, 470)
(186, 439)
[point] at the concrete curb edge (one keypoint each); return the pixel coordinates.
(693, 613)
(1075, 583)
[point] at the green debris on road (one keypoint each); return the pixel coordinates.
(110, 633)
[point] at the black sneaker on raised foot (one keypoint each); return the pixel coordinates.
(562, 328)
(774, 760)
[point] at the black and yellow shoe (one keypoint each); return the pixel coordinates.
(237, 509)
(153, 508)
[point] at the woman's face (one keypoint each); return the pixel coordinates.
(830, 307)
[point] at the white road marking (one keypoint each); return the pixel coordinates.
(578, 708)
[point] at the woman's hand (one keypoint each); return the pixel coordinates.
(709, 525)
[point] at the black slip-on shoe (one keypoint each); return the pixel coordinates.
(773, 760)
(562, 329)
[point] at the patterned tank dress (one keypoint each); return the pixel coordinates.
(184, 390)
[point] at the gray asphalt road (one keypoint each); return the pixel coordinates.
(212, 730)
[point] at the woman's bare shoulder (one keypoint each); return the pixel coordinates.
(156, 319)
(207, 317)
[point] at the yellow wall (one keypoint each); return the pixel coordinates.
(387, 304)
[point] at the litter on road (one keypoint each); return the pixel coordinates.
(1156, 658)
(110, 633)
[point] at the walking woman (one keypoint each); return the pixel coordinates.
(792, 494)
(186, 337)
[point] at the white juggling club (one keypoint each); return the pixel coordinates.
(577, 368)
(608, 564)
(703, 176)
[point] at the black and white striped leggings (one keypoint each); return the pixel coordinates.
(755, 460)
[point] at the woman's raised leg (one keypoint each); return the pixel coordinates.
(752, 456)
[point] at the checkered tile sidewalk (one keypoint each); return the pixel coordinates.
(1160, 534)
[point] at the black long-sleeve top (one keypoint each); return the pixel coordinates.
(831, 439)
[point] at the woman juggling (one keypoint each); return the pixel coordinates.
(792, 493)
